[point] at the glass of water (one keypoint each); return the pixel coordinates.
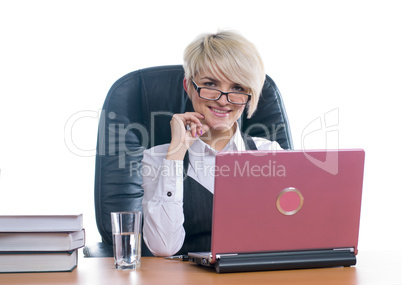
(126, 230)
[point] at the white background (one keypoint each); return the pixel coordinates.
(59, 58)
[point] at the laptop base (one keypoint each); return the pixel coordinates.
(281, 260)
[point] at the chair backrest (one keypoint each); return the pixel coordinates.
(136, 115)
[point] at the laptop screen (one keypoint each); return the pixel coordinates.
(286, 200)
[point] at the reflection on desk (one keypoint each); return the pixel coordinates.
(371, 268)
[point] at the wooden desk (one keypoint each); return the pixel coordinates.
(372, 268)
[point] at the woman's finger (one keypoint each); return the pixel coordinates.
(203, 129)
(193, 128)
(193, 117)
(191, 121)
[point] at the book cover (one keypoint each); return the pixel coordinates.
(42, 241)
(41, 223)
(38, 262)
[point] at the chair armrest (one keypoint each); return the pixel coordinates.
(100, 249)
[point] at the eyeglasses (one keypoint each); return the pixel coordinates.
(212, 94)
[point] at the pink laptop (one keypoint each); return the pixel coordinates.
(285, 210)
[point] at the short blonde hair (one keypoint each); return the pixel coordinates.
(229, 54)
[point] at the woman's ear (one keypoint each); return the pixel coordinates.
(185, 87)
(185, 84)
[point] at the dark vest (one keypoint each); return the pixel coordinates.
(197, 207)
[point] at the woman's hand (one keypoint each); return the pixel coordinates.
(185, 129)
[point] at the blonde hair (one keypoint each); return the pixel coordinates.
(229, 54)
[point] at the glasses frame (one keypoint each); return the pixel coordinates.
(198, 89)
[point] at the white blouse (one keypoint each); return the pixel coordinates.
(163, 189)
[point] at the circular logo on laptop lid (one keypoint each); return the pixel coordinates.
(289, 201)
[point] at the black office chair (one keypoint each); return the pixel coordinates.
(136, 115)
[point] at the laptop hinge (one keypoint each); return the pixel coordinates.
(219, 256)
(285, 260)
(351, 249)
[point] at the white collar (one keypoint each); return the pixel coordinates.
(236, 143)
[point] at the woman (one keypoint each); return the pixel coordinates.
(224, 74)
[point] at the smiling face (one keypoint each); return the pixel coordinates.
(220, 115)
(230, 54)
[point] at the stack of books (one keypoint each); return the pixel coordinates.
(40, 243)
